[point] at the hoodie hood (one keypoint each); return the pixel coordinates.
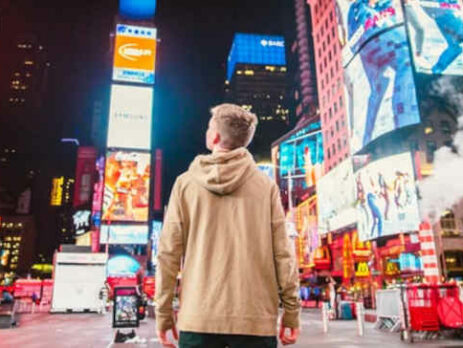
(223, 172)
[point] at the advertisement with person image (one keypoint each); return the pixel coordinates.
(386, 197)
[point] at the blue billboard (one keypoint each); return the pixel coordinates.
(360, 20)
(436, 35)
(137, 9)
(380, 88)
(256, 49)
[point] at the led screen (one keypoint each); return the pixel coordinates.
(360, 20)
(436, 35)
(137, 9)
(126, 190)
(124, 234)
(157, 228)
(134, 54)
(336, 198)
(386, 197)
(256, 49)
(380, 88)
(130, 117)
(298, 160)
(122, 266)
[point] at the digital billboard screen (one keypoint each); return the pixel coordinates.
(85, 175)
(126, 190)
(137, 9)
(298, 160)
(360, 20)
(436, 35)
(336, 198)
(256, 49)
(386, 197)
(130, 116)
(124, 234)
(134, 54)
(157, 229)
(380, 88)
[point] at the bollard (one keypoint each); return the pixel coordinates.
(325, 317)
(360, 318)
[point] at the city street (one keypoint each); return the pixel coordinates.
(92, 330)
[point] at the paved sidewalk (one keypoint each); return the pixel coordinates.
(93, 330)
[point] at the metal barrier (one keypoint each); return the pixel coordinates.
(360, 311)
(388, 310)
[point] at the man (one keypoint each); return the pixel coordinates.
(226, 226)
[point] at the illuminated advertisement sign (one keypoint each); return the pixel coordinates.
(386, 197)
(360, 20)
(98, 192)
(122, 266)
(436, 35)
(126, 191)
(57, 192)
(130, 117)
(86, 157)
(380, 89)
(134, 54)
(301, 157)
(256, 49)
(157, 229)
(137, 9)
(298, 160)
(336, 198)
(124, 234)
(81, 221)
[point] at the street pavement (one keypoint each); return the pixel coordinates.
(94, 330)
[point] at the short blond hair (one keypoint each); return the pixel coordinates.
(235, 125)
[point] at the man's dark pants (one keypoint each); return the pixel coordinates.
(201, 340)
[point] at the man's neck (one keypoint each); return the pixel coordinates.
(218, 148)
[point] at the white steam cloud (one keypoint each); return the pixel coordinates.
(444, 189)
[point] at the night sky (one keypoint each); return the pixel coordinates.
(195, 39)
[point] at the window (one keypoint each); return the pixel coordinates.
(332, 72)
(339, 144)
(329, 56)
(445, 127)
(331, 16)
(337, 125)
(340, 102)
(448, 224)
(330, 112)
(335, 106)
(333, 34)
(333, 149)
(430, 149)
(329, 153)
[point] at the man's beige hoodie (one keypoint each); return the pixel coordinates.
(226, 226)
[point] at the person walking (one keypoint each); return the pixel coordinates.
(226, 226)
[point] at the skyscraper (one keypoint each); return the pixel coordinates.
(257, 81)
(329, 72)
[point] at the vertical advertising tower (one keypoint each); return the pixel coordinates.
(127, 174)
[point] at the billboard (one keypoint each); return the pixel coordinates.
(436, 35)
(98, 186)
(256, 49)
(56, 195)
(137, 9)
(360, 20)
(124, 234)
(130, 115)
(81, 221)
(386, 198)
(126, 190)
(298, 161)
(336, 198)
(157, 229)
(134, 54)
(86, 157)
(380, 88)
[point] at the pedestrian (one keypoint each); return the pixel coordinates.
(226, 226)
(316, 292)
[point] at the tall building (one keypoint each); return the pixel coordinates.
(17, 245)
(257, 81)
(301, 66)
(330, 82)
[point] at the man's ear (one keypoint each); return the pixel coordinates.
(216, 140)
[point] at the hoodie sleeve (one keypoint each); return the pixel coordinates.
(170, 251)
(285, 264)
